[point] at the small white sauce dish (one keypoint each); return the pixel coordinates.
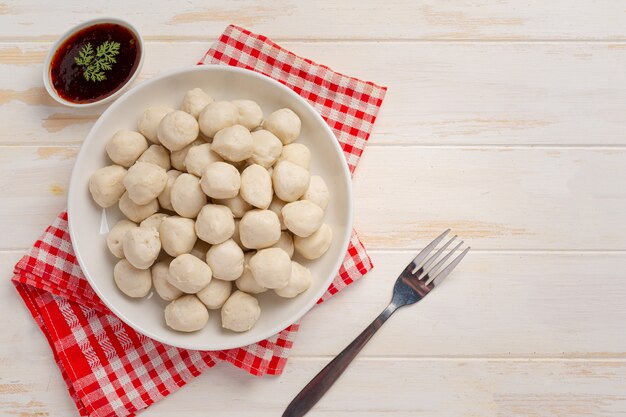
(47, 79)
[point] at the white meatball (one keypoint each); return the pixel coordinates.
(225, 260)
(194, 101)
(116, 235)
(141, 246)
(199, 158)
(271, 268)
(233, 143)
(246, 281)
(200, 249)
(137, 212)
(154, 221)
(266, 148)
(215, 224)
(178, 235)
(157, 155)
(165, 196)
(316, 245)
(290, 181)
(237, 205)
(186, 196)
(214, 295)
(259, 229)
(125, 147)
(276, 206)
(317, 192)
(220, 180)
(240, 312)
(131, 281)
(285, 243)
(149, 121)
(217, 116)
(299, 281)
(256, 186)
(189, 274)
(144, 182)
(296, 153)
(302, 217)
(177, 130)
(250, 114)
(164, 289)
(186, 314)
(285, 124)
(106, 185)
(177, 158)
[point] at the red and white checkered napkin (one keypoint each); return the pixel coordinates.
(110, 369)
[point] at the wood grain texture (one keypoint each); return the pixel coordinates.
(496, 198)
(439, 93)
(38, 180)
(461, 388)
(426, 388)
(496, 305)
(292, 19)
(503, 119)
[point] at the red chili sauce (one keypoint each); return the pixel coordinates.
(67, 76)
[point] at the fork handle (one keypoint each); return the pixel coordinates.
(314, 390)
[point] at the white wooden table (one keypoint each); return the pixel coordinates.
(504, 120)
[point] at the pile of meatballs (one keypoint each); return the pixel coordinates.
(213, 195)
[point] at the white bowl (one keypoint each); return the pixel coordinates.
(89, 223)
(46, 66)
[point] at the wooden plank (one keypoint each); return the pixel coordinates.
(407, 388)
(496, 305)
(439, 93)
(391, 387)
(38, 180)
(496, 198)
(395, 19)
(396, 388)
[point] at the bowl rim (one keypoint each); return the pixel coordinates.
(71, 31)
(346, 177)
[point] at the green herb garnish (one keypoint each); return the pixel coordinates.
(95, 64)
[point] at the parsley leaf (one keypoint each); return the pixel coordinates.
(95, 64)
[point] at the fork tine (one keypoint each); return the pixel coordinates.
(439, 264)
(433, 258)
(424, 253)
(446, 271)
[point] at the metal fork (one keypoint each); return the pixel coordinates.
(418, 278)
